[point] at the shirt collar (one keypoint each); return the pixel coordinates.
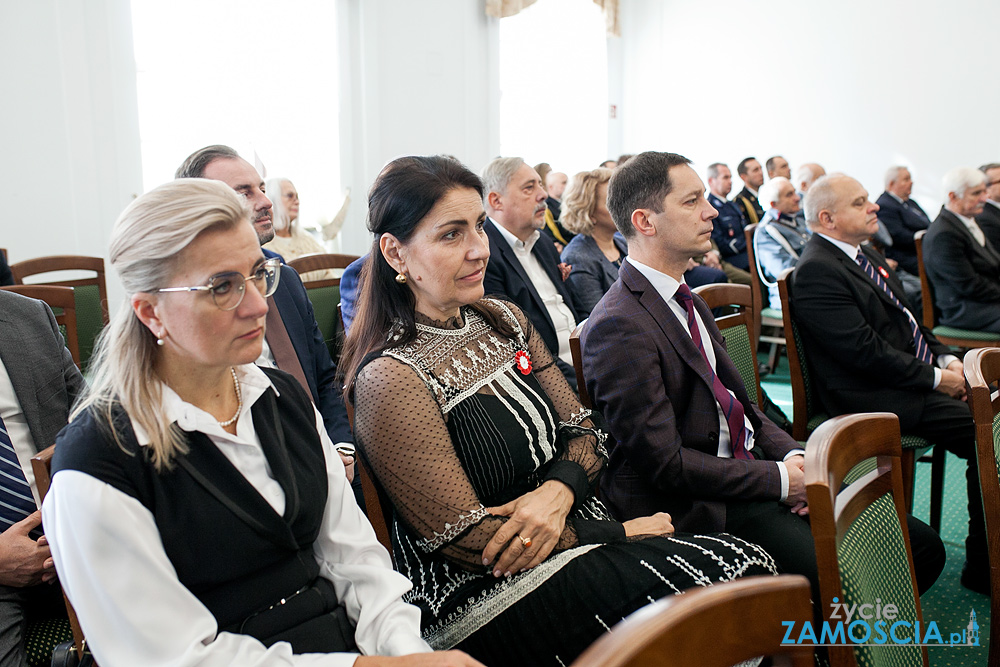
(752, 191)
(994, 203)
(850, 250)
(253, 383)
(664, 285)
(895, 196)
(514, 242)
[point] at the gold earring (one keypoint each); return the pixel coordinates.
(401, 278)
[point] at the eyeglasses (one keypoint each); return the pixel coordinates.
(227, 289)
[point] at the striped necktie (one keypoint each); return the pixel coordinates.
(731, 408)
(923, 352)
(16, 501)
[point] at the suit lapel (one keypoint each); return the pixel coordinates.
(669, 324)
(16, 347)
(852, 267)
(987, 251)
(511, 260)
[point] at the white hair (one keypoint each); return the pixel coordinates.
(805, 174)
(892, 174)
(768, 193)
(960, 179)
(279, 214)
(498, 174)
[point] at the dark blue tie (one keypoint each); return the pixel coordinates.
(733, 409)
(16, 501)
(923, 353)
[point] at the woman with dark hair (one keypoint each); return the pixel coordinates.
(487, 455)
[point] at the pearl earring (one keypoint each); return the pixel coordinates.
(401, 278)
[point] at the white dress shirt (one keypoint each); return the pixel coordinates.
(135, 611)
(974, 229)
(666, 287)
(559, 312)
(852, 251)
(17, 428)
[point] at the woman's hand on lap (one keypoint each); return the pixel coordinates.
(539, 516)
(658, 524)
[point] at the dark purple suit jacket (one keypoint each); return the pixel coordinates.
(653, 386)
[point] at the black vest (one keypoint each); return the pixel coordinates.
(236, 562)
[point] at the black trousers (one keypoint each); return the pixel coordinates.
(788, 538)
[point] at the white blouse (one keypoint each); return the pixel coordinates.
(134, 610)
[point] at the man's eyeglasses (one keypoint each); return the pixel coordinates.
(227, 289)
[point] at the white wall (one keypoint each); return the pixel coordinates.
(416, 78)
(69, 144)
(854, 85)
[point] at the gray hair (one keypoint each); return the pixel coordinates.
(498, 174)
(822, 196)
(146, 242)
(768, 193)
(892, 174)
(989, 165)
(713, 169)
(196, 163)
(960, 179)
(805, 174)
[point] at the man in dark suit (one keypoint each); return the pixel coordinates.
(902, 217)
(6, 277)
(753, 177)
(989, 219)
(866, 349)
(727, 229)
(962, 264)
(713, 467)
(292, 320)
(524, 265)
(38, 384)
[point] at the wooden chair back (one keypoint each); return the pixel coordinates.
(708, 627)
(576, 351)
(805, 404)
(62, 301)
(324, 295)
(738, 328)
(756, 286)
(378, 507)
(860, 529)
(91, 293)
(41, 465)
(982, 371)
(966, 339)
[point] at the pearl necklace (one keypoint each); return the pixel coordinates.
(239, 400)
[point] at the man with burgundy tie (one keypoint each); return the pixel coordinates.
(38, 384)
(866, 349)
(689, 440)
(293, 342)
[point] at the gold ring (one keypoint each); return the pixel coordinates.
(526, 541)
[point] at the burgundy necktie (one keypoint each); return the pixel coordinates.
(732, 408)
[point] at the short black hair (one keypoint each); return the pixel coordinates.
(741, 169)
(642, 182)
(196, 163)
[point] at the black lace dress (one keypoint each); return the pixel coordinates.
(454, 423)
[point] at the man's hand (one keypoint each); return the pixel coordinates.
(23, 561)
(796, 497)
(713, 259)
(691, 264)
(538, 516)
(658, 524)
(893, 264)
(952, 382)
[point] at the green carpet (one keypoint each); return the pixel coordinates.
(946, 602)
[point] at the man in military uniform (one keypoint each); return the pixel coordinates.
(727, 232)
(753, 177)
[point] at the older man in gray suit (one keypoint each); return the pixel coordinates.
(38, 384)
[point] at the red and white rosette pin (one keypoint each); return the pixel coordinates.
(522, 361)
(885, 274)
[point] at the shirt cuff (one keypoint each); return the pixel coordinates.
(783, 474)
(595, 531)
(945, 360)
(937, 378)
(572, 475)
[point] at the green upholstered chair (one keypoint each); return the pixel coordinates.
(966, 339)
(708, 627)
(324, 294)
(807, 413)
(62, 301)
(738, 329)
(765, 316)
(862, 542)
(982, 370)
(91, 293)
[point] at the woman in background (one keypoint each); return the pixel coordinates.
(290, 240)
